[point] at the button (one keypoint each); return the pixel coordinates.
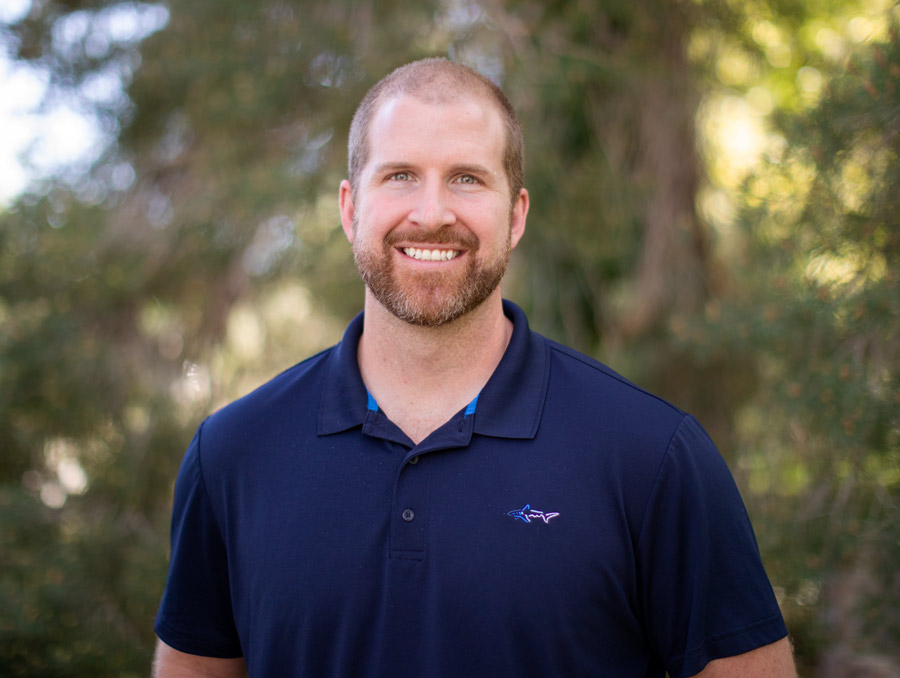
(414, 460)
(408, 515)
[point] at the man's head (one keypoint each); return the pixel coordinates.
(432, 208)
(437, 81)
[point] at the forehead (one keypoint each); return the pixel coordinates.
(410, 125)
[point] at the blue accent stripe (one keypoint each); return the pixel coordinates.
(470, 408)
(371, 405)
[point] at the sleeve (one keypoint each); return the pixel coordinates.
(705, 592)
(195, 615)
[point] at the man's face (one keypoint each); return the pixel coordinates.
(430, 221)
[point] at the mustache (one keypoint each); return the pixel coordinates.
(446, 235)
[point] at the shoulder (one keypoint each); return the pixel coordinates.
(621, 432)
(290, 398)
(639, 436)
(582, 383)
(297, 386)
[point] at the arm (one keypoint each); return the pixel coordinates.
(769, 661)
(170, 663)
(195, 613)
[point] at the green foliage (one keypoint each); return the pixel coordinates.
(609, 122)
(815, 304)
(117, 286)
(201, 253)
(75, 590)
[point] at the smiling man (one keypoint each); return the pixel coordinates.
(445, 492)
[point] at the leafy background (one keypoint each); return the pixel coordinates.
(714, 214)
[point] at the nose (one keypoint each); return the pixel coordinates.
(433, 207)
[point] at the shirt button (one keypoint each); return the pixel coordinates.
(408, 515)
(414, 460)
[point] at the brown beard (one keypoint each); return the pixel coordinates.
(430, 299)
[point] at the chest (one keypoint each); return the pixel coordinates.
(358, 544)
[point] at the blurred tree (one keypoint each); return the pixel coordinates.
(616, 248)
(116, 285)
(816, 300)
(201, 253)
(610, 113)
(781, 335)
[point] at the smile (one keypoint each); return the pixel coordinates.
(430, 255)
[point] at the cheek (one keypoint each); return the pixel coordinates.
(491, 224)
(383, 213)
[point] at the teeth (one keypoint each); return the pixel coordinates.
(430, 255)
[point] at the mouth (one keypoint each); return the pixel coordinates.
(420, 254)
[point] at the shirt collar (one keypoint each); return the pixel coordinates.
(509, 405)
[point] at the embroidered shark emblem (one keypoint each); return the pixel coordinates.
(526, 514)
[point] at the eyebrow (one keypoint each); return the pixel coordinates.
(473, 169)
(464, 168)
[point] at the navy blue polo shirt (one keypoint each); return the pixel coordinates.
(566, 523)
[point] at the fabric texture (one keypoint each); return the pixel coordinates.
(568, 523)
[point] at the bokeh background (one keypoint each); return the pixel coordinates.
(715, 212)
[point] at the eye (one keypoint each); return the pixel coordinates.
(467, 179)
(400, 176)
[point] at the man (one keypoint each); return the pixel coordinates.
(445, 493)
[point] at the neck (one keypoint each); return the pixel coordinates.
(422, 376)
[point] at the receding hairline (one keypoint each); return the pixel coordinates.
(436, 81)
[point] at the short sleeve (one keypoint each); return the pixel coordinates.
(195, 615)
(705, 593)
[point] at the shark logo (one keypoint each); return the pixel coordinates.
(527, 514)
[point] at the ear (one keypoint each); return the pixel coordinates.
(345, 202)
(518, 217)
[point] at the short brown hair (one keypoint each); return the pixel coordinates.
(438, 80)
